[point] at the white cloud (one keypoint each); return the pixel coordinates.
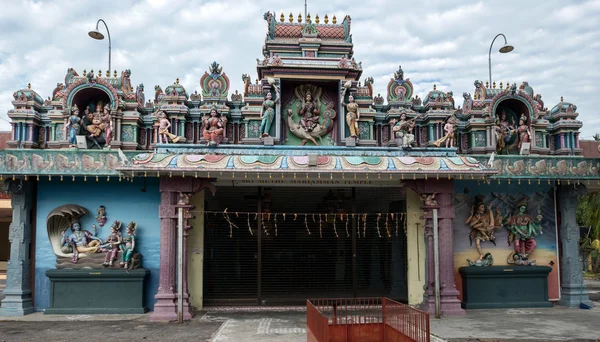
(436, 42)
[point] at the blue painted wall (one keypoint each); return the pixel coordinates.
(124, 201)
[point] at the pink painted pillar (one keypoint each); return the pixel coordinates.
(165, 308)
(14, 133)
(187, 310)
(449, 303)
(31, 132)
(577, 140)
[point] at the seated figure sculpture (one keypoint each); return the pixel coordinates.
(79, 241)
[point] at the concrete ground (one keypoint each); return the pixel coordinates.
(289, 325)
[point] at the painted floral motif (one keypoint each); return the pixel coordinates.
(364, 133)
(60, 134)
(253, 129)
(127, 134)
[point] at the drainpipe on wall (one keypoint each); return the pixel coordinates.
(436, 263)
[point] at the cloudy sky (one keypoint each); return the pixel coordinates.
(557, 43)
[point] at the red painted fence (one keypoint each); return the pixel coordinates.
(364, 320)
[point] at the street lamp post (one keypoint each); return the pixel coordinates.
(504, 49)
(98, 35)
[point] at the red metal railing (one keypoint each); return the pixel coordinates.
(364, 320)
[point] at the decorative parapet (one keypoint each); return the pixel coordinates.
(543, 167)
(65, 162)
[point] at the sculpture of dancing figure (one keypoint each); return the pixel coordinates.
(268, 113)
(449, 128)
(403, 131)
(504, 131)
(79, 241)
(163, 129)
(523, 229)
(352, 116)
(73, 125)
(112, 243)
(128, 245)
(483, 224)
(309, 113)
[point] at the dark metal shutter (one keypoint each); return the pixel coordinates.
(230, 263)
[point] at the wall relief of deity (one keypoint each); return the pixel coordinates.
(311, 116)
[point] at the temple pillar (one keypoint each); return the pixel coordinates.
(577, 140)
(449, 303)
(17, 294)
(572, 287)
(562, 140)
(171, 189)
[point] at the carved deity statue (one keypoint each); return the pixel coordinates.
(449, 128)
(504, 133)
(483, 223)
(268, 112)
(73, 125)
(403, 131)
(112, 243)
(101, 216)
(309, 113)
(79, 241)
(163, 129)
(523, 131)
(352, 116)
(214, 127)
(522, 228)
(107, 121)
(128, 245)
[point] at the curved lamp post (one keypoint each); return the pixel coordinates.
(504, 49)
(98, 35)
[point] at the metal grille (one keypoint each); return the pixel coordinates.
(300, 255)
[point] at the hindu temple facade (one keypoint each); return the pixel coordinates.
(303, 184)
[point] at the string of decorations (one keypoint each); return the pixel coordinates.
(391, 220)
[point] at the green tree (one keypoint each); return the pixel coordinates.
(596, 136)
(588, 215)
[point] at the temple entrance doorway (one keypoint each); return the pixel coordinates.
(513, 126)
(283, 245)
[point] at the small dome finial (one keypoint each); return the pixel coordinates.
(434, 87)
(502, 86)
(28, 85)
(115, 73)
(494, 85)
(177, 80)
(291, 17)
(317, 19)
(487, 84)
(282, 17)
(299, 17)
(99, 72)
(334, 20)
(326, 19)
(561, 99)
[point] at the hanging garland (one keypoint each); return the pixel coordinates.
(395, 219)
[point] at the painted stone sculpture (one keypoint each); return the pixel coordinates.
(163, 129)
(112, 243)
(106, 120)
(313, 121)
(504, 134)
(82, 249)
(128, 247)
(79, 241)
(73, 125)
(483, 223)
(523, 131)
(268, 113)
(101, 216)
(352, 116)
(403, 131)
(522, 228)
(214, 127)
(449, 128)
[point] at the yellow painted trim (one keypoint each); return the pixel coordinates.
(309, 77)
(415, 241)
(5, 204)
(195, 254)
